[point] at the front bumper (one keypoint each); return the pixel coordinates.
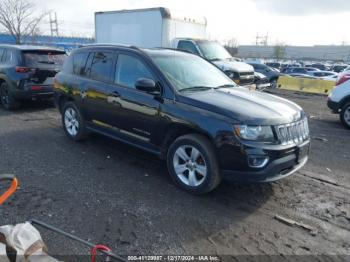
(281, 165)
(334, 106)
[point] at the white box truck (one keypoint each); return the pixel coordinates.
(158, 27)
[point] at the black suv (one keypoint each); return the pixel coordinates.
(26, 73)
(183, 109)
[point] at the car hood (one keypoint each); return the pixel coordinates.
(246, 106)
(259, 75)
(234, 66)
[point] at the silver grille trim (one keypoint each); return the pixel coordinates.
(293, 133)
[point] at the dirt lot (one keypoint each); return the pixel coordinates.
(107, 192)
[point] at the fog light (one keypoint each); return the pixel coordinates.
(257, 161)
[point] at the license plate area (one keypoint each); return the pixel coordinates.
(302, 152)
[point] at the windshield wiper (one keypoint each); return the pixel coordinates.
(195, 88)
(214, 59)
(225, 86)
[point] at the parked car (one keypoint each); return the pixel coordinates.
(339, 68)
(241, 73)
(26, 73)
(339, 98)
(181, 108)
(322, 74)
(298, 70)
(271, 74)
(346, 69)
(261, 81)
(275, 65)
(330, 78)
(311, 69)
(300, 75)
(320, 66)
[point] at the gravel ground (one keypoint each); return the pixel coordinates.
(108, 192)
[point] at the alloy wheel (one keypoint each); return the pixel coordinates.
(4, 96)
(71, 121)
(190, 166)
(347, 115)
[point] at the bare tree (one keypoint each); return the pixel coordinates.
(19, 18)
(232, 46)
(279, 51)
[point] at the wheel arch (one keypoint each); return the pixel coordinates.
(175, 131)
(2, 80)
(344, 101)
(61, 100)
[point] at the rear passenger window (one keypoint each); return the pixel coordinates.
(101, 66)
(79, 63)
(129, 70)
(9, 57)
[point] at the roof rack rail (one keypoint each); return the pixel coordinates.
(174, 49)
(112, 45)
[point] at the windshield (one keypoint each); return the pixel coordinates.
(191, 72)
(213, 50)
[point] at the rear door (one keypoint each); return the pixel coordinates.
(96, 90)
(43, 65)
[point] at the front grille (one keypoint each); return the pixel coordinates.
(293, 133)
(246, 81)
(246, 73)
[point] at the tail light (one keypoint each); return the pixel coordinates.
(36, 88)
(21, 69)
(342, 79)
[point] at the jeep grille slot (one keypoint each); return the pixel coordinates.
(293, 133)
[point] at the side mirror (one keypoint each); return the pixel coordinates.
(146, 85)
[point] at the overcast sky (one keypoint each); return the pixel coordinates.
(294, 22)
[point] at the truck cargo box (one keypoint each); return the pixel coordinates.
(147, 28)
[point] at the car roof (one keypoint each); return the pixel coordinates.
(148, 51)
(31, 47)
(255, 63)
(323, 71)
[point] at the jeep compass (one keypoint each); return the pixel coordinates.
(183, 109)
(26, 73)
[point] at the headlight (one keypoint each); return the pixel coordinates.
(255, 133)
(232, 75)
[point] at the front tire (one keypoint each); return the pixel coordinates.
(345, 115)
(7, 99)
(73, 122)
(193, 165)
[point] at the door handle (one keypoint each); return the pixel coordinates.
(113, 97)
(115, 94)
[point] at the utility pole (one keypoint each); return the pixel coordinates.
(261, 40)
(53, 24)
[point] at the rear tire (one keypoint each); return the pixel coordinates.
(73, 122)
(193, 165)
(345, 115)
(6, 98)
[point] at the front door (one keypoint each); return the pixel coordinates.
(136, 113)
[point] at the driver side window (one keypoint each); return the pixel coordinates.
(129, 69)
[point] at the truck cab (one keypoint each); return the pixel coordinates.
(241, 73)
